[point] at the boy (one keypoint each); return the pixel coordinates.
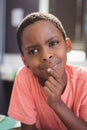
(48, 94)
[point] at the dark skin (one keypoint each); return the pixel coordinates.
(48, 49)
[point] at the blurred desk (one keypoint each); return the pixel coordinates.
(9, 124)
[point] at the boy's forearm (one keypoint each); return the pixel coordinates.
(71, 121)
(28, 127)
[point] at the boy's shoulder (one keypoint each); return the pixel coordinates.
(23, 69)
(76, 70)
(24, 72)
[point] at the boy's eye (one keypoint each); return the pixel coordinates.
(33, 51)
(53, 43)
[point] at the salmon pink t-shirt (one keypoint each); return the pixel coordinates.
(28, 102)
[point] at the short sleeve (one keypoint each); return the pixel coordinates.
(83, 108)
(22, 106)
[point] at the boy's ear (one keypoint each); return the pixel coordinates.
(68, 44)
(24, 60)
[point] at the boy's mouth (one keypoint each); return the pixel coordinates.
(50, 65)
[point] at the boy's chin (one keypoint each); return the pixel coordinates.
(43, 75)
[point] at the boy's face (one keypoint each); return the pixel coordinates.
(44, 47)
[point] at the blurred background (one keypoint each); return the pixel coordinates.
(73, 15)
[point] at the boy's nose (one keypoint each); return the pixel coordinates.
(46, 56)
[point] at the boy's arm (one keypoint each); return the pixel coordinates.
(71, 121)
(28, 127)
(54, 87)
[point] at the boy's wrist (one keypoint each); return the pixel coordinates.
(56, 104)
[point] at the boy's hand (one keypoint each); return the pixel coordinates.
(54, 87)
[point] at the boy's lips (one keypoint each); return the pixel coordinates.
(51, 65)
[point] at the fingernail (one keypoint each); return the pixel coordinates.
(49, 69)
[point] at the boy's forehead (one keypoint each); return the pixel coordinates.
(40, 30)
(40, 26)
(28, 21)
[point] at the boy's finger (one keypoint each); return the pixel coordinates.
(53, 73)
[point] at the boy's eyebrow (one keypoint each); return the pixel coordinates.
(52, 38)
(33, 46)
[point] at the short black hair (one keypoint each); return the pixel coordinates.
(32, 18)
